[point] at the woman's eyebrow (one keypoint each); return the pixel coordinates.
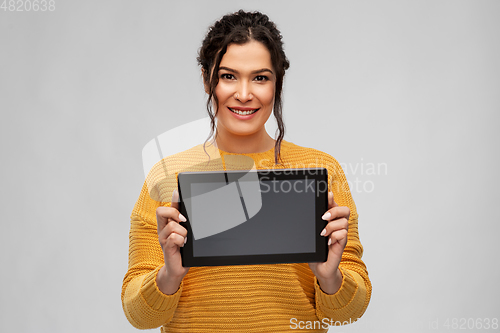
(262, 70)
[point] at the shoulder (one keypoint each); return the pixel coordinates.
(161, 179)
(304, 157)
(295, 154)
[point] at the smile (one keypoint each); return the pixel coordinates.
(243, 113)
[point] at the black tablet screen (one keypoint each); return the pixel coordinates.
(282, 222)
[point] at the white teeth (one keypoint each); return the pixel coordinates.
(243, 113)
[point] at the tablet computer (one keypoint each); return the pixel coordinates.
(253, 216)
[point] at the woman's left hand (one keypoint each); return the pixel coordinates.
(328, 273)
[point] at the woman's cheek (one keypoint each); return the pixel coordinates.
(265, 94)
(222, 91)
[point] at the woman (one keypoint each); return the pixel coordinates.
(243, 65)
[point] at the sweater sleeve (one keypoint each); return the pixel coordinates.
(350, 302)
(145, 306)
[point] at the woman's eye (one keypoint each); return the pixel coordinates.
(261, 78)
(227, 76)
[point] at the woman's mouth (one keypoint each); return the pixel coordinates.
(243, 112)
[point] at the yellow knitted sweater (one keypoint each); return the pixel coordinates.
(243, 298)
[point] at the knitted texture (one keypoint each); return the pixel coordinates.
(242, 298)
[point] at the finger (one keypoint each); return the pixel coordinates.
(336, 212)
(339, 224)
(174, 241)
(172, 227)
(338, 236)
(331, 201)
(175, 200)
(167, 214)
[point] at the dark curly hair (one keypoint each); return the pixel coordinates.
(240, 28)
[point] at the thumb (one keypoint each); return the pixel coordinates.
(175, 200)
(331, 201)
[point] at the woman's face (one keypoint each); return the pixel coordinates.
(245, 91)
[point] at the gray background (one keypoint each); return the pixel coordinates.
(411, 85)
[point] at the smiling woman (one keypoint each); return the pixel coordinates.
(246, 49)
(243, 65)
(245, 95)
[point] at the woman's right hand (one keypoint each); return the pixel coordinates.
(172, 236)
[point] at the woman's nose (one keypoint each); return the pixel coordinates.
(243, 93)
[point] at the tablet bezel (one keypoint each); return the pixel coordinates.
(320, 255)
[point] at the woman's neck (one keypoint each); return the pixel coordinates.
(238, 144)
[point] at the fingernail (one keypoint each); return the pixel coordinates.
(185, 239)
(323, 232)
(182, 218)
(329, 242)
(326, 216)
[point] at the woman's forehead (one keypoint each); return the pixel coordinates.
(250, 56)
